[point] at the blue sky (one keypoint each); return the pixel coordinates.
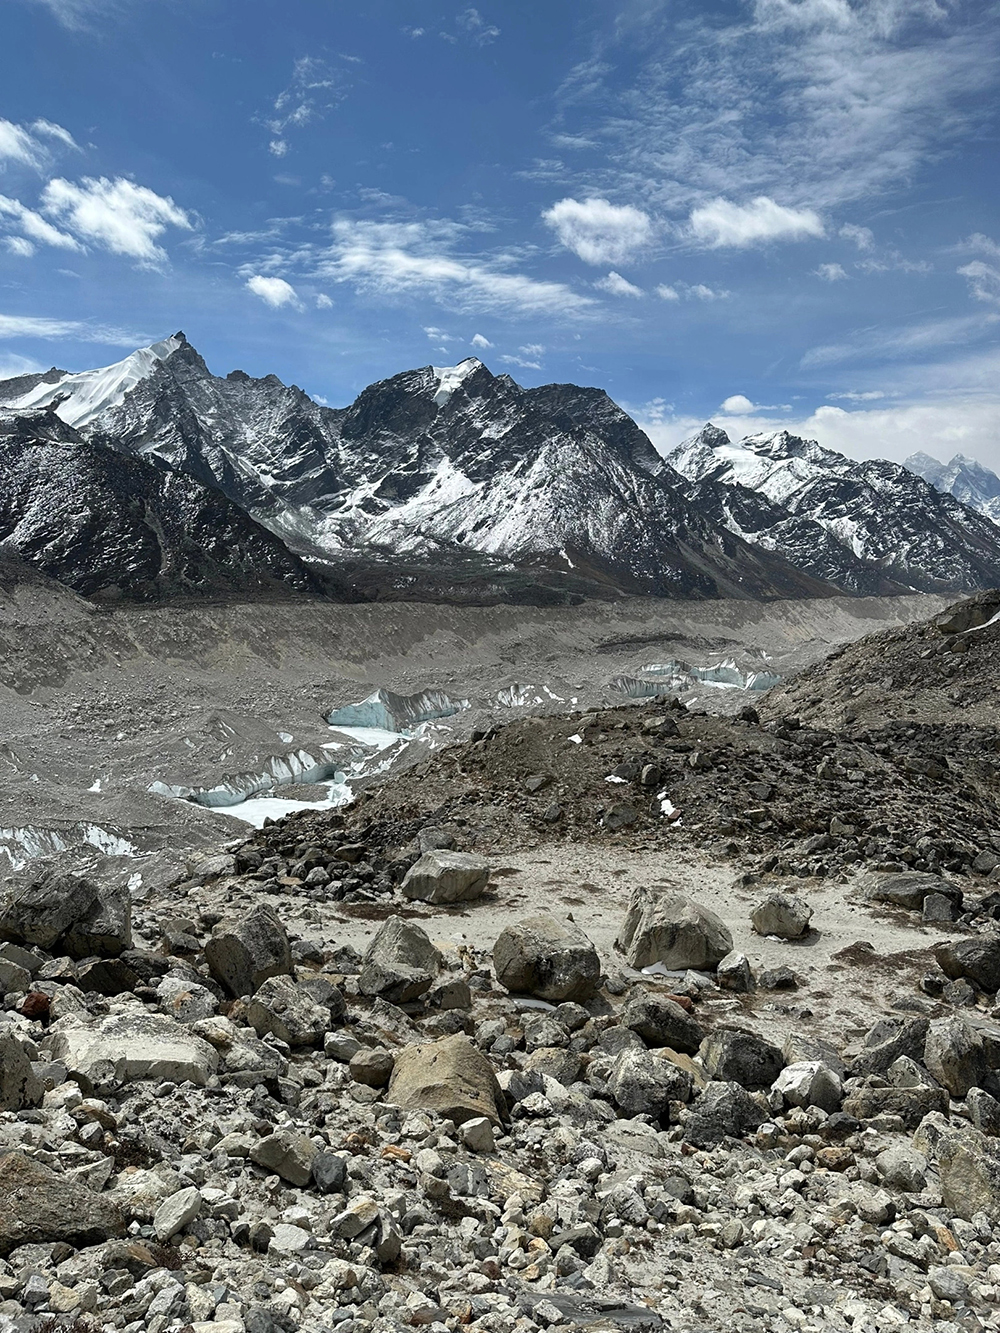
(767, 212)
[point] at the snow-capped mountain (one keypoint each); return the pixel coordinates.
(964, 478)
(108, 526)
(871, 526)
(453, 468)
(431, 464)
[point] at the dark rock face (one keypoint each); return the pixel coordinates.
(441, 465)
(108, 525)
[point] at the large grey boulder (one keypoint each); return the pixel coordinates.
(288, 1011)
(645, 1085)
(41, 1207)
(19, 1088)
(732, 1056)
(955, 1054)
(977, 958)
(543, 956)
(446, 877)
(662, 926)
(810, 1083)
(400, 963)
(288, 1154)
(660, 1021)
(124, 1047)
(967, 1162)
(724, 1110)
(68, 914)
(782, 914)
(886, 1041)
(243, 953)
(909, 889)
(450, 1076)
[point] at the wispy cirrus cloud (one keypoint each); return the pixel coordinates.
(809, 103)
(316, 87)
(893, 343)
(424, 258)
(45, 327)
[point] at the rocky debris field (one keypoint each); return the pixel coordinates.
(348, 1074)
(946, 669)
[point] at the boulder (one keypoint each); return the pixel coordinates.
(41, 1207)
(242, 954)
(955, 1055)
(660, 1021)
(910, 888)
(782, 914)
(19, 1088)
(287, 1010)
(968, 1164)
(662, 926)
(902, 1167)
(175, 1212)
(543, 956)
(286, 1153)
(68, 914)
(372, 1066)
(722, 1110)
(810, 1083)
(733, 1056)
(984, 1109)
(186, 1000)
(125, 1047)
(977, 957)
(400, 963)
(889, 1039)
(450, 1076)
(643, 1085)
(911, 1104)
(446, 877)
(734, 973)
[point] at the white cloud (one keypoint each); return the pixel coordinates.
(17, 245)
(524, 362)
(702, 293)
(26, 145)
(274, 292)
(862, 237)
(532, 349)
(721, 223)
(738, 404)
(119, 215)
(867, 396)
(473, 23)
(413, 32)
(316, 87)
(824, 101)
(666, 293)
(984, 280)
(33, 226)
(392, 259)
(893, 343)
(323, 302)
(479, 341)
(11, 365)
(831, 272)
(615, 285)
(598, 231)
(35, 326)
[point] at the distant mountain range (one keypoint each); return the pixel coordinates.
(964, 478)
(443, 481)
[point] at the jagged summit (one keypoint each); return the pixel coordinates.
(965, 478)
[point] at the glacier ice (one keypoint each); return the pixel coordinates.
(397, 712)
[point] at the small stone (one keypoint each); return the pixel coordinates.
(477, 1135)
